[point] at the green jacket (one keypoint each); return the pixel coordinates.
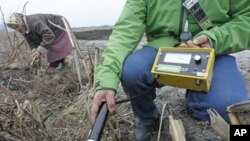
(160, 20)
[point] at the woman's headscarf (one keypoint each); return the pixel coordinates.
(15, 18)
(18, 19)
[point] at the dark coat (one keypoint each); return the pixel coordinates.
(40, 32)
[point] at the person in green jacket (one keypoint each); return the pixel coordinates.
(162, 21)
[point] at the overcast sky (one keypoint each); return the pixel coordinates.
(80, 13)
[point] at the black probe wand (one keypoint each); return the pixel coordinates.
(96, 132)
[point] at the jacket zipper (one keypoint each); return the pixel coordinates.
(181, 18)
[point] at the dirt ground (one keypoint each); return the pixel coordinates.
(40, 107)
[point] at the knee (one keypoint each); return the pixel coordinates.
(135, 73)
(226, 61)
(131, 71)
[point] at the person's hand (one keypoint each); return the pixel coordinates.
(107, 96)
(36, 55)
(200, 41)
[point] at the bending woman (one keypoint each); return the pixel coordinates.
(43, 36)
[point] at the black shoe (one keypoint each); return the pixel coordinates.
(144, 132)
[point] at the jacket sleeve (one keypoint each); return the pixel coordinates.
(30, 42)
(125, 36)
(46, 33)
(234, 35)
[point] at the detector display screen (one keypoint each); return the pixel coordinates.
(178, 58)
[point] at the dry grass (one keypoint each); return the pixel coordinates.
(38, 107)
(54, 109)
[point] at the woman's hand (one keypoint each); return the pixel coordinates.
(36, 55)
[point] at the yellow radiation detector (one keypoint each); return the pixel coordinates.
(190, 68)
